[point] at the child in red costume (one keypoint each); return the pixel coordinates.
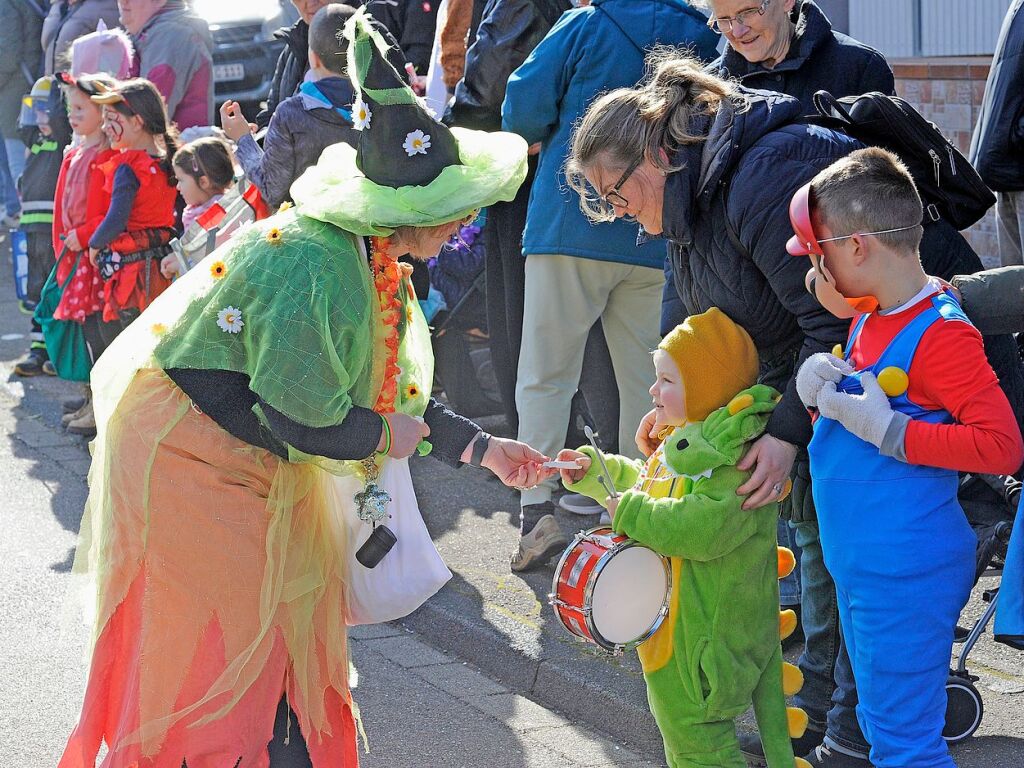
(80, 202)
(912, 401)
(131, 239)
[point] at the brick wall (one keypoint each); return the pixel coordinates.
(948, 91)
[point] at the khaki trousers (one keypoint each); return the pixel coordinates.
(565, 296)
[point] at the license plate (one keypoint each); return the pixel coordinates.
(228, 72)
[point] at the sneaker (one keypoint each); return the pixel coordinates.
(85, 424)
(67, 418)
(750, 746)
(48, 367)
(823, 756)
(543, 541)
(579, 504)
(73, 405)
(32, 363)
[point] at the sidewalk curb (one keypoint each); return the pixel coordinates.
(547, 682)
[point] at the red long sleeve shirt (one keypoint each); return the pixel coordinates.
(949, 371)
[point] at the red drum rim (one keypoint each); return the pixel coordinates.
(599, 639)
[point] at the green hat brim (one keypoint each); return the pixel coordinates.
(335, 191)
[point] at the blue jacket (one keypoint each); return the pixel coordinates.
(590, 50)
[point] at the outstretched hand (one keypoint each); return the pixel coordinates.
(516, 464)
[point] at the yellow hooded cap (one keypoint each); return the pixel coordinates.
(716, 358)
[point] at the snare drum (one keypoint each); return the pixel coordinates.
(610, 590)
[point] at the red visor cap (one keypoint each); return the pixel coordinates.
(804, 242)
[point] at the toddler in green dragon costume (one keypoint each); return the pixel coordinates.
(718, 649)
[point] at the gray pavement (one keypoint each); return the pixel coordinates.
(536, 697)
(420, 706)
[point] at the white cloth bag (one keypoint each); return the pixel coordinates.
(410, 573)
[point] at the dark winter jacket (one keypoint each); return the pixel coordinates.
(509, 31)
(293, 63)
(726, 216)
(819, 59)
(66, 22)
(301, 128)
(412, 24)
(38, 182)
(589, 50)
(997, 147)
(21, 57)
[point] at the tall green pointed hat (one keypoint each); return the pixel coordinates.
(408, 168)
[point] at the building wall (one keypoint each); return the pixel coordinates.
(900, 28)
(949, 91)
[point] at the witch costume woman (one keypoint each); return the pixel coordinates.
(225, 413)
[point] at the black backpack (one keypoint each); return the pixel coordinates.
(947, 182)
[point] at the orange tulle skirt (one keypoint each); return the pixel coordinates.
(218, 578)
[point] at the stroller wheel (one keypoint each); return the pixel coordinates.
(964, 709)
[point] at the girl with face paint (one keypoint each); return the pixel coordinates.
(139, 221)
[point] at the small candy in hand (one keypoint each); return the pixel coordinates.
(553, 464)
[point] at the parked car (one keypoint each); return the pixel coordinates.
(245, 51)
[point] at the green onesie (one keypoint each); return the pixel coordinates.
(718, 650)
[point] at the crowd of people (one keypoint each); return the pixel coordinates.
(574, 187)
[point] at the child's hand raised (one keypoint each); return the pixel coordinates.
(232, 120)
(611, 504)
(169, 266)
(647, 433)
(573, 475)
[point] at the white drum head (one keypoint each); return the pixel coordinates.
(628, 595)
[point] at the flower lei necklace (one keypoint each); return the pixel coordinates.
(387, 276)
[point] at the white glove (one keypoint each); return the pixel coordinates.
(818, 369)
(867, 416)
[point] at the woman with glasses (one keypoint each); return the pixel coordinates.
(789, 46)
(577, 273)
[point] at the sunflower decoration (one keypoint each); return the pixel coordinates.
(274, 236)
(411, 391)
(158, 329)
(218, 269)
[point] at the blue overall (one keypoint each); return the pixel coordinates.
(901, 553)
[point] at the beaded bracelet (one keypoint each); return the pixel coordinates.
(387, 435)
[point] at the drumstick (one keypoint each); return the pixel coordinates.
(603, 475)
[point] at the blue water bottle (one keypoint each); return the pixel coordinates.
(19, 258)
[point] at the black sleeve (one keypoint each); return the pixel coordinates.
(126, 186)
(274, 95)
(355, 438)
(225, 397)
(449, 432)
(510, 30)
